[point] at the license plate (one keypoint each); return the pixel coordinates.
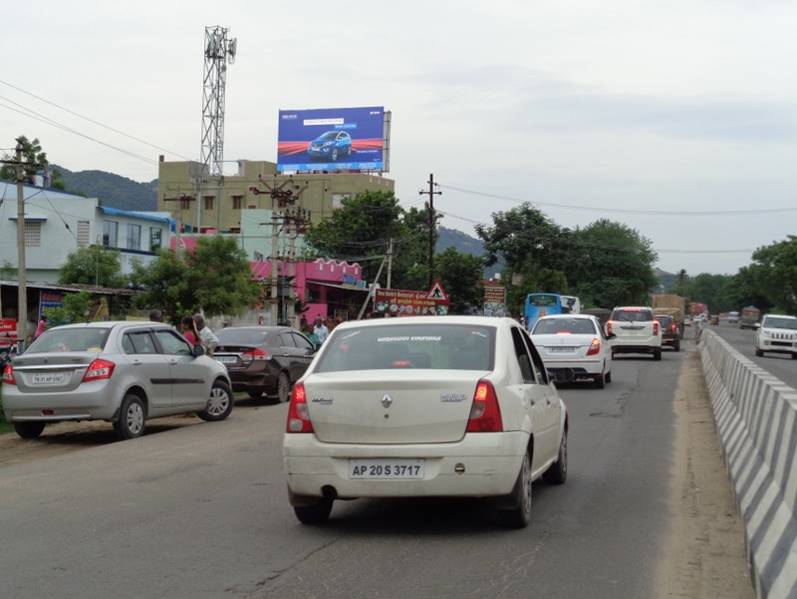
(226, 359)
(49, 379)
(386, 469)
(561, 350)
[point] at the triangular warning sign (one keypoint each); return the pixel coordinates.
(436, 292)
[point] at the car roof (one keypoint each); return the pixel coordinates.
(781, 316)
(107, 324)
(490, 321)
(559, 316)
(633, 308)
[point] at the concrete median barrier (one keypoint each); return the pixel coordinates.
(756, 415)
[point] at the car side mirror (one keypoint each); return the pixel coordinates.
(197, 351)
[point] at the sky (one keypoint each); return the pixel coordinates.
(616, 105)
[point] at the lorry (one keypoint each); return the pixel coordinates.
(669, 304)
(750, 318)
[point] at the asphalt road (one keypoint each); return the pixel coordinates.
(200, 510)
(779, 365)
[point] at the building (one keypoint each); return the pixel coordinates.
(58, 223)
(224, 202)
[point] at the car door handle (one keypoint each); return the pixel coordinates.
(137, 362)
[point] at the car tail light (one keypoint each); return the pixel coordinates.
(485, 413)
(99, 370)
(609, 327)
(674, 328)
(298, 415)
(8, 375)
(256, 354)
(594, 347)
(655, 327)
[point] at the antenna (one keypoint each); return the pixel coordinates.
(219, 50)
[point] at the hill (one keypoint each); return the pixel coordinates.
(466, 244)
(112, 190)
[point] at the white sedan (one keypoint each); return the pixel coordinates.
(574, 347)
(424, 407)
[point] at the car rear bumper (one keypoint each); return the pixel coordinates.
(586, 367)
(97, 400)
(253, 381)
(491, 464)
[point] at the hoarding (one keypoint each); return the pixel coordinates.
(8, 332)
(494, 299)
(408, 302)
(331, 139)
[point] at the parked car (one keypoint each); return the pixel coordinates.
(264, 360)
(574, 347)
(636, 331)
(330, 146)
(670, 333)
(122, 372)
(778, 335)
(423, 407)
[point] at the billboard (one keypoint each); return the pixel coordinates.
(331, 139)
(408, 302)
(494, 299)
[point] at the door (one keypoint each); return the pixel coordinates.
(304, 355)
(552, 405)
(189, 387)
(150, 368)
(289, 355)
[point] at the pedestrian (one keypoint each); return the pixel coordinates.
(189, 331)
(156, 315)
(208, 337)
(320, 330)
(42, 326)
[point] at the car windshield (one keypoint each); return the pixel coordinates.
(564, 326)
(628, 315)
(328, 136)
(242, 336)
(70, 340)
(437, 346)
(543, 300)
(774, 322)
(664, 321)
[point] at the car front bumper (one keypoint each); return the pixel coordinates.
(491, 464)
(769, 345)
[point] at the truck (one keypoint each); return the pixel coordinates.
(669, 304)
(696, 309)
(750, 318)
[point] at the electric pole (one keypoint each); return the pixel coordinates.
(390, 263)
(432, 222)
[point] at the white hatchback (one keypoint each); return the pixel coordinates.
(424, 407)
(574, 347)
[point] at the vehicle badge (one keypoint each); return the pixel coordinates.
(387, 401)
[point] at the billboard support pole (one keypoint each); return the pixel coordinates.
(432, 224)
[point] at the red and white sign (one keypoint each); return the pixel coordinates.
(408, 302)
(8, 332)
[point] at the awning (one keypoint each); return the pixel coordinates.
(337, 286)
(31, 218)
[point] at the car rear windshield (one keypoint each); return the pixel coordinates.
(66, 340)
(436, 346)
(665, 321)
(773, 322)
(242, 336)
(639, 315)
(562, 326)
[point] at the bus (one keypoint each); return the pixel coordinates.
(541, 304)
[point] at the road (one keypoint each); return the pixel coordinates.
(780, 365)
(200, 510)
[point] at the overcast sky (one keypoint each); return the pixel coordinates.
(680, 105)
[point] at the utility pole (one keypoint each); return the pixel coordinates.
(390, 264)
(372, 290)
(430, 207)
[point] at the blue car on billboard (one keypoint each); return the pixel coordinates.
(330, 146)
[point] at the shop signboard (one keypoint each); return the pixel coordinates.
(409, 302)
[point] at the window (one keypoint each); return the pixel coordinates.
(286, 340)
(302, 342)
(33, 234)
(83, 233)
(236, 202)
(139, 342)
(65, 340)
(110, 230)
(564, 326)
(155, 239)
(522, 355)
(172, 344)
(133, 237)
(633, 315)
(208, 202)
(536, 361)
(185, 203)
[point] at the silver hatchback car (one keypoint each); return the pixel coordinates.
(122, 372)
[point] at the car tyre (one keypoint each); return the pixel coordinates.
(609, 377)
(519, 515)
(29, 430)
(132, 418)
(316, 513)
(219, 403)
(657, 355)
(759, 353)
(600, 381)
(557, 472)
(283, 388)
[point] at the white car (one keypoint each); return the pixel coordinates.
(424, 407)
(635, 330)
(777, 335)
(733, 318)
(574, 346)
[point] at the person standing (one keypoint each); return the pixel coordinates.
(188, 329)
(320, 330)
(208, 337)
(42, 326)
(156, 315)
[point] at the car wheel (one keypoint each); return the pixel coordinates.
(132, 416)
(519, 515)
(29, 430)
(759, 353)
(557, 472)
(609, 377)
(657, 354)
(600, 381)
(677, 346)
(283, 388)
(219, 403)
(316, 513)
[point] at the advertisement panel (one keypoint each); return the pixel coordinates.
(331, 139)
(408, 302)
(494, 299)
(8, 332)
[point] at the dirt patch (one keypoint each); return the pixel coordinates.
(704, 554)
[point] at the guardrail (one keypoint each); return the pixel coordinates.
(756, 415)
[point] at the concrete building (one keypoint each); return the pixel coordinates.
(224, 202)
(57, 223)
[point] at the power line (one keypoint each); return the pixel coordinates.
(90, 120)
(48, 121)
(723, 212)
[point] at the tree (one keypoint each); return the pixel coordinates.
(775, 268)
(76, 308)
(461, 276)
(93, 265)
(215, 277)
(32, 153)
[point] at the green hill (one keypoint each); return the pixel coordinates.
(112, 190)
